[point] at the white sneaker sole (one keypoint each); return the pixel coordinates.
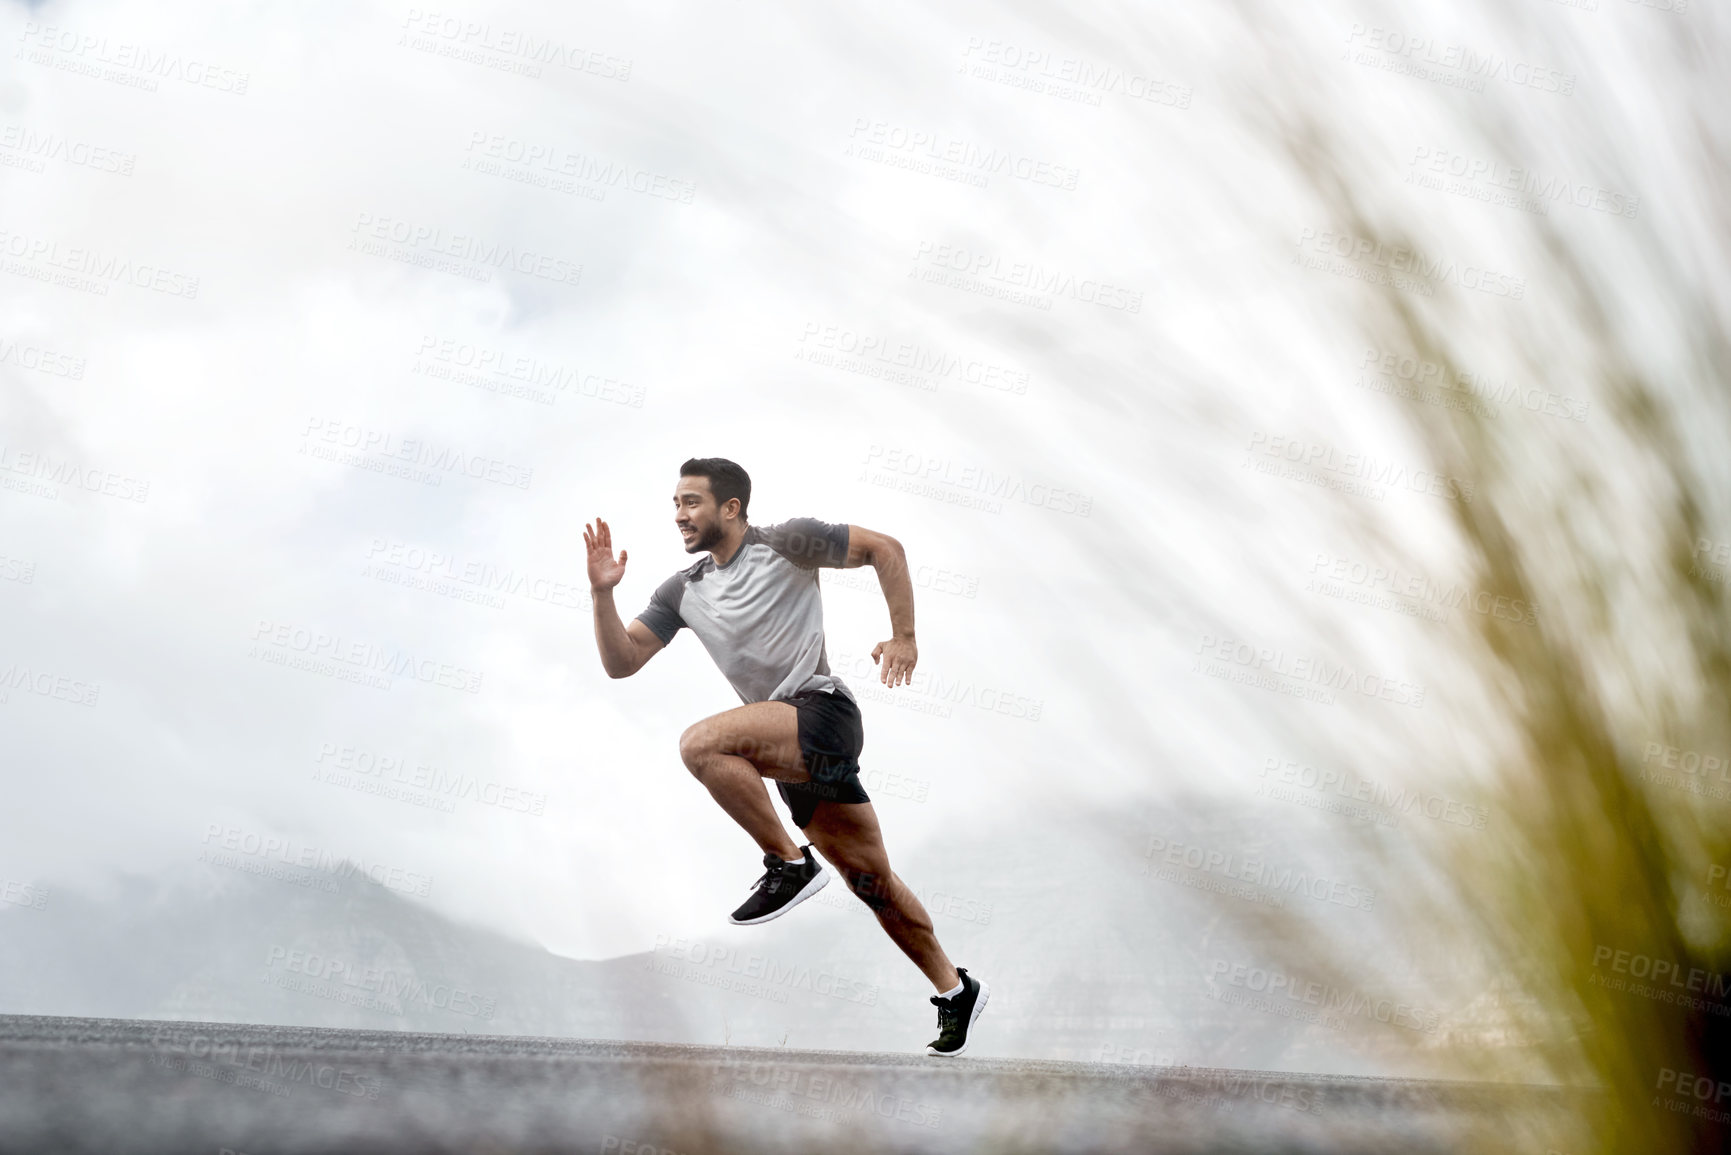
(979, 1005)
(817, 883)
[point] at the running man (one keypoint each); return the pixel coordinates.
(755, 606)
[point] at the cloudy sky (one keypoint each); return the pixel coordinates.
(324, 330)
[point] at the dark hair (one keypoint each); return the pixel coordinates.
(726, 480)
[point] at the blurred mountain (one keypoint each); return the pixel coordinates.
(335, 949)
(1088, 957)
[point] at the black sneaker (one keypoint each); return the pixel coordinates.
(784, 885)
(955, 1015)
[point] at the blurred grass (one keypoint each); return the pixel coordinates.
(1599, 526)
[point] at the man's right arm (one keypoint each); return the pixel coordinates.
(624, 648)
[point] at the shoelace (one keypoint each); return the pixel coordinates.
(948, 1015)
(765, 875)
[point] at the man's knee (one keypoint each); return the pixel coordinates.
(695, 746)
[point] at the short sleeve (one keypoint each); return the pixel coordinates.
(662, 615)
(809, 543)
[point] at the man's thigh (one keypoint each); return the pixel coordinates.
(766, 734)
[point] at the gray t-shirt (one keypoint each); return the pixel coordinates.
(760, 616)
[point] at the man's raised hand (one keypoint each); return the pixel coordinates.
(604, 572)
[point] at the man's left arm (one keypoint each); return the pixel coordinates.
(896, 655)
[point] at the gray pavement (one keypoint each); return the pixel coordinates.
(119, 1086)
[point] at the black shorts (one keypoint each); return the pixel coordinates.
(831, 735)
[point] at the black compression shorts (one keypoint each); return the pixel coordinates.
(831, 736)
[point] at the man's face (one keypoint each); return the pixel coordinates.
(695, 513)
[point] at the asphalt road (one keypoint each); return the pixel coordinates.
(119, 1086)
